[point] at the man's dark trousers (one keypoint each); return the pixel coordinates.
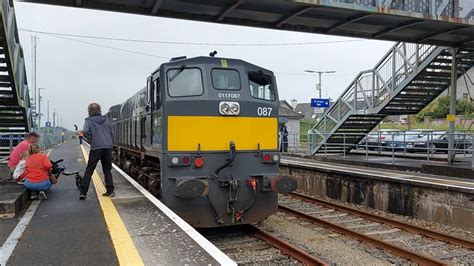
(105, 158)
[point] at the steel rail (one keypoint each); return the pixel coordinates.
(287, 248)
(399, 251)
(399, 224)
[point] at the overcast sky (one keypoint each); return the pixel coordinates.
(76, 74)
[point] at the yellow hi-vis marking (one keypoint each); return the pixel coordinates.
(213, 133)
(126, 251)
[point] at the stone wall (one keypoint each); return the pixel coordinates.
(438, 205)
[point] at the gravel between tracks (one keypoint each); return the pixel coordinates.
(330, 247)
(245, 248)
(451, 230)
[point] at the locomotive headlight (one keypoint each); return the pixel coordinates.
(174, 160)
(229, 108)
(276, 157)
(235, 108)
(225, 108)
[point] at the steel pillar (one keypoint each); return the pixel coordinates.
(452, 107)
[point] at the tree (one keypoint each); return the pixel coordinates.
(440, 108)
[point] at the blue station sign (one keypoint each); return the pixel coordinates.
(321, 103)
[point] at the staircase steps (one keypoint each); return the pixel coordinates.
(418, 79)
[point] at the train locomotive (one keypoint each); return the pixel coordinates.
(202, 136)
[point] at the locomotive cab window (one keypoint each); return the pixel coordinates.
(261, 86)
(225, 79)
(185, 82)
(157, 99)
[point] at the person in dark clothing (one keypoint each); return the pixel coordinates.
(98, 131)
(284, 139)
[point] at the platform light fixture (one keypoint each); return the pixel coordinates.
(320, 73)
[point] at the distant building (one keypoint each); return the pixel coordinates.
(291, 119)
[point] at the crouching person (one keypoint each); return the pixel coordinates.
(36, 175)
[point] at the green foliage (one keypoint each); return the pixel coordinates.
(440, 108)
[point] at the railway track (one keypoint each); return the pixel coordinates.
(250, 245)
(411, 242)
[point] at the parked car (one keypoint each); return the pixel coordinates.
(377, 140)
(420, 144)
(438, 142)
(400, 141)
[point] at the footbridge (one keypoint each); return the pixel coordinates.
(15, 112)
(438, 22)
(404, 81)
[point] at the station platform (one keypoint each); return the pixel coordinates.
(391, 175)
(133, 228)
(437, 164)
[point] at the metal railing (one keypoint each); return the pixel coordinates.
(14, 58)
(48, 139)
(423, 144)
(7, 143)
(372, 89)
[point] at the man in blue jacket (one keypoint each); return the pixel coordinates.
(98, 132)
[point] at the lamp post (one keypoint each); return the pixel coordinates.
(39, 105)
(48, 112)
(320, 73)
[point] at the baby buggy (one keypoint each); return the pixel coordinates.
(57, 170)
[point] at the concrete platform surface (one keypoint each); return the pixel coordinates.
(64, 230)
(13, 198)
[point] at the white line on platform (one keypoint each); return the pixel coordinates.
(216, 253)
(9, 245)
(7, 249)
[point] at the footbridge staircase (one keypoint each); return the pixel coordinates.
(408, 78)
(15, 111)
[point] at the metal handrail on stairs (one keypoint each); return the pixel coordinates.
(372, 88)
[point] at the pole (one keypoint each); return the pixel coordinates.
(48, 111)
(33, 71)
(320, 88)
(54, 118)
(452, 107)
(39, 106)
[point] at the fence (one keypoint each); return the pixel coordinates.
(7, 143)
(421, 144)
(48, 139)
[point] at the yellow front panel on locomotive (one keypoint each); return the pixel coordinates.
(214, 133)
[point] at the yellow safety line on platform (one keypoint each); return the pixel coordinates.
(125, 249)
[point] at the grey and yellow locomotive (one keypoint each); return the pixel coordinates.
(202, 136)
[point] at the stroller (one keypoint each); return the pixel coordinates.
(57, 170)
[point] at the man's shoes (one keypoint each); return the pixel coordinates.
(82, 196)
(20, 182)
(109, 194)
(42, 195)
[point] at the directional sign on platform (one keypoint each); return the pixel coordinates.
(48, 124)
(319, 103)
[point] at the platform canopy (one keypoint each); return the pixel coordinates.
(439, 22)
